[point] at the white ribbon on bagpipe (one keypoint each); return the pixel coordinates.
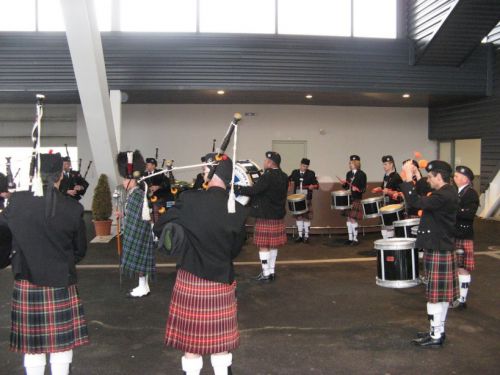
(145, 207)
(231, 202)
(37, 178)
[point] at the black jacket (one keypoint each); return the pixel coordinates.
(358, 180)
(309, 178)
(214, 236)
(422, 188)
(69, 182)
(467, 208)
(392, 182)
(45, 250)
(163, 182)
(436, 230)
(268, 194)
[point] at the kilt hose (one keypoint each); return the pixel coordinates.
(355, 212)
(202, 316)
(441, 270)
(307, 216)
(467, 259)
(46, 319)
(269, 233)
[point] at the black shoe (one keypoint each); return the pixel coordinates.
(348, 242)
(423, 335)
(264, 279)
(429, 342)
(354, 243)
(229, 371)
(298, 239)
(457, 305)
(306, 239)
(272, 276)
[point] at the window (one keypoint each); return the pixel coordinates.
(314, 17)
(18, 15)
(374, 19)
(237, 16)
(158, 15)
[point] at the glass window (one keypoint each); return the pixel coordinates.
(18, 15)
(158, 15)
(314, 17)
(51, 18)
(237, 16)
(374, 18)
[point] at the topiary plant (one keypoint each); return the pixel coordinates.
(102, 207)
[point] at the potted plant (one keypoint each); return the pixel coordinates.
(102, 207)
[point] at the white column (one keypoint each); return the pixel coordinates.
(84, 41)
(115, 97)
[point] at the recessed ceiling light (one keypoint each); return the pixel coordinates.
(309, 96)
(406, 96)
(221, 92)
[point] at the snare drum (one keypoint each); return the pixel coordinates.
(371, 207)
(404, 228)
(414, 231)
(246, 173)
(391, 213)
(341, 200)
(397, 263)
(297, 204)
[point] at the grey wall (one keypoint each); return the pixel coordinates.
(473, 119)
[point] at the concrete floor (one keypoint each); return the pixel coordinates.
(319, 318)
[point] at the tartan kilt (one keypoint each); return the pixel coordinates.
(467, 259)
(441, 270)
(46, 319)
(355, 212)
(202, 317)
(307, 215)
(269, 233)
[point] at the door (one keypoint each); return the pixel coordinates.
(291, 153)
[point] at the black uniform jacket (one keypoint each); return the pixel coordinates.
(309, 178)
(467, 208)
(358, 180)
(214, 236)
(268, 194)
(163, 182)
(70, 181)
(422, 188)
(392, 182)
(436, 230)
(45, 250)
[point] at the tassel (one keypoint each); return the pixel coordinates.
(145, 207)
(231, 202)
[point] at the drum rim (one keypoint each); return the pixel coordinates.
(372, 200)
(392, 210)
(397, 283)
(341, 193)
(406, 222)
(396, 243)
(298, 198)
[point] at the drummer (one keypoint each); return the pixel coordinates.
(389, 187)
(355, 181)
(304, 181)
(421, 187)
(436, 236)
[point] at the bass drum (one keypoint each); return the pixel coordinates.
(246, 173)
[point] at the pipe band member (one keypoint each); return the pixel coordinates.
(421, 187)
(355, 180)
(435, 235)
(48, 237)
(304, 182)
(202, 318)
(158, 188)
(464, 239)
(72, 184)
(390, 185)
(269, 209)
(137, 237)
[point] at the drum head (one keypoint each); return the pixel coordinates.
(296, 197)
(391, 208)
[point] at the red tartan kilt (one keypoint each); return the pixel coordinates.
(355, 212)
(466, 260)
(442, 274)
(269, 233)
(46, 319)
(202, 317)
